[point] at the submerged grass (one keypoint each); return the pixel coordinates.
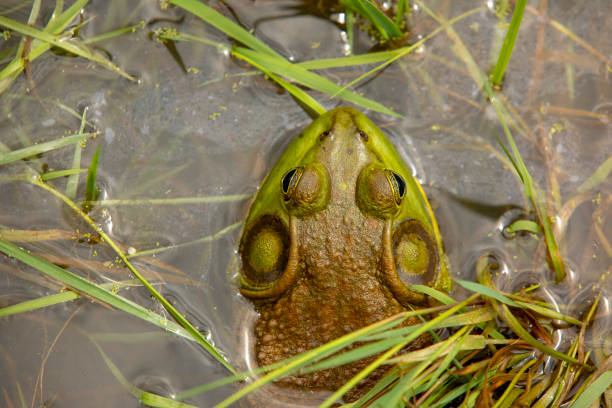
(463, 366)
(54, 34)
(508, 46)
(479, 363)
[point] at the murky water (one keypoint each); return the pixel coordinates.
(195, 126)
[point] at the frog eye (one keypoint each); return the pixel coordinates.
(415, 254)
(305, 189)
(398, 185)
(379, 191)
(290, 181)
(264, 250)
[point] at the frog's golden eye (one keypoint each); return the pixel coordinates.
(290, 181)
(305, 189)
(398, 185)
(264, 250)
(379, 191)
(415, 253)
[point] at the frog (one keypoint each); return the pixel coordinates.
(335, 237)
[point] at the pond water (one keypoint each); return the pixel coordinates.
(199, 123)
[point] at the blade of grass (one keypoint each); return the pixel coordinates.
(308, 356)
(220, 22)
(91, 192)
(263, 56)
(385, 356)
(343, 62)
(593, 391)
(22, 153)
(60, 21)
(45, 301)
(73, 181)
(302, 76)
(597, 177)
(401, 390)
(508, 317)
(145, 397)
(513, 382)
(175, 201)
(61, 173)
(381, 385)
(173, 312)
(530, 192)
(383, 24)
(524, 225)
(300, 95)
(509, 41)
(72, 46)
(207, 238)
(487, 291)
(96, 291)
(115, 33)
(406, 50)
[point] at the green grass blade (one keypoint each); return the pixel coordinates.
(380, 385)
(299, 361)
(594, 391)
(39, 303)
(597, 177)
(508, 317)
(300, 95)
(73, 46)
(509, 41)
(115, 33)
(383, 24)
(73, 181)
(45, 301)
(96, 291)
(55, 26)
(524, 225)
(61, 173)
(300, 75)
(448, 359)
(343, 62)
(353, 355)
(180, 319)
(220, 22)
(531, 192)
(59, 24)
(91, 192)
(176, 201)
(145, 397)
(43, 147)
(487, 291)
(385, 356)
(270, 61)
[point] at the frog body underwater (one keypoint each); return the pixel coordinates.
(337, 233)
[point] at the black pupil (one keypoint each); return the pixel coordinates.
(401, 185)
(287, 180)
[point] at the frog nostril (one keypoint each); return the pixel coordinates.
(363, 135)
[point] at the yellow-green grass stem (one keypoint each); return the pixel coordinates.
(173, 312)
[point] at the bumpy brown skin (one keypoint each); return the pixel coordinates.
(338, 287)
